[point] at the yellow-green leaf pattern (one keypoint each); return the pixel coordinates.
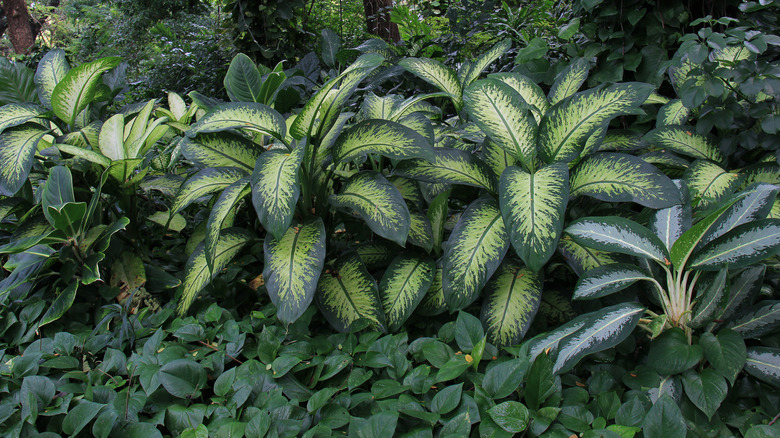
(673, 113)
(348, 293)
(437, 215)
(745, 245)
(403, 286)
(437, 74)
(276, 187)
(420, 232)
(221, 149)
(568, 81)
(382, 137)
(496, 158)
(531, 93)
(512, 298)
(684, 140)
(15, 114)
(17, 153)
(78, 88)
(203, 183)
(222, 208)
(241, 115)
(475, 68)
(111, 141)
(581, 258)
(51, 70)
(709, 183)
(433, 303)
(451, 166)
(376, 254)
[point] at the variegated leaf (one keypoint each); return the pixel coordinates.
(221, 209)
(276, 187)
(743, 246)
(710, 296)
(615, 177)
(567, 126)
(136, 129)
(221, 149)
(763, 363)
(548, 342)
(531, 93)
(420, 232)
(618, 140)
(421, 124)
(684, 141)
(378, 202)
(619, 235)
(417, 103)
(763, 319)
(241, 115)
(752, 204)
(381, 137)
(474, 69)
(437, 74)
(673, 113)
(203, 183)
(111, 141)
(403, 286)
(437, 215)
(671, 222)
(743, 290)
(410, 190)
(501, 113)
(476, 247)
(376, 254)
(348, 293)
(433, 302)
(533, 208)
(768, 173)
(569, 80)
(512, 298)
(51, 70)
(709, 183)
(87, 154)
(451, 166)
(582, 258)
(17, 152)
(78, 88)
(197, 273)
(496, 158)
(242, 81)
(375, 107)
(292, 267)
(15, 114)
(606, 280)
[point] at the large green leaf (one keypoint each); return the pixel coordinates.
(403, 286)
(292, 267)
(451, 166)
(569, 80)
(605, 280)
(221, 149)
(672, 113)
(474, 69)
(763, 363)
(512, 298)
(533, 208)
(615, 177)
(221, 209)
(474, 251)
(52, 68)
(378, 202)
(79, 87)
(437, 74)
(726, 352)
(671, 222)
(381, 137)
(709, 183)
(567, 126)
(17, 153)
(197, 273)
(582, 258)
(683, 140)
(61, 304)
(743, 289)
(241, 115)
(763, 318)
(17, 84)
(15, 114)
(745, 245)
(111, 141)
(348, 293)
(531, 93)
(496, 158)
(203, 183)
(420, 231)
(752, 204)
(433, 302)
(619, 235)
(242, 81)
(605, 329)
(501, 114)
(276, 188)
(437, 215)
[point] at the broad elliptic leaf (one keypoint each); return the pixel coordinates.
(567, 126)
(582, 258)
(452, 166)
(664, 420)
(197, 273)
(205, 182)
(743, 246)
(17, 153)
(619, 235)
(221, 209)
(605, 280)
(569, 80)
(241, 115)
(276, 187)
(762, 319)
(616, 177)
(672, 113)
(79, 87)
(378, 202)
(52, 68)
(605, 329)
(726, 352)
(763, 363)
(420, 231)
(242, 81)
(381, 137)
(533, 208)
(433, 302)
(512, 298)
(437, 74)
(475, 68)
(709, 183)
(403, 286)
(532, 94)
(221, 149)
(348, 293)
(15, 114)
(60, 305)
(331, 44)
(752, 204)
(671, 222)
(111, 141)
(292, 268)
(501, 114)
(476, 247)
(684, 140)
(496, 158)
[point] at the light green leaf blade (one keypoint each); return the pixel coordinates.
(496, 158)
(475, 68)
(683, 140)
(381, 137)
(221, 209)
(672, 113)
(763, 363)
(292, 268)
(582, 258)
(568, 124)
(51, 70)
(532, 94)
(197, 273)
(203, 183)
(276, 188)
(241, 115)
(533, 208)
(17, 153)
(709, 183)
(620, 140)
(433, 302)
(349, 293)
(451, 166)
(79, 87)
(403, 286)
(437, 74)
(221, 149)
(569, 80)
(615, 177)
(616, 234)
(476, 247)
(111, 142)
(15, 114)
(743, 246)
(242, 81)
(512, 298)
(378, 202)
(420, 231)
(606, 280)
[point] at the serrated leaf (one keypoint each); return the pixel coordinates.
(744, 245)
(683, 140)
(512, 298)
(474, 251)
(203, 183)
(52, 68)
(451, 166)
(292, 267)
(611, 233)
(763, 363)
(709, 183)
(79, 87)
(17, 153)
(605, 280)
(241, 115)
(242, 80)
(276, 187)
(403, 286)
(15, 114)
(437, 74)
(569, 80)
(221, 209)
(532, 94)
(378, 202)
(672, 113)
(349, 293)
(762, 319)
(381, 137)
(221, 149)
(533, 207)
(616, 177)
(567, 125)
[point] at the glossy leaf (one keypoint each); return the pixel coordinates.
(618, 235)
(15, 114)
(745, 245)
(709, 298)
(672, 113)
(512, 298)
(222, 208)
(671, 222)
(349, 293)
(52, 68)
(683, 140)
(752, 204)
(452, 166)
(17, 153)
(276, 187)
(764, 318)
(582, 258)
(381, 137)
(241, 115)
(221, 149)
(532, 94)
(420, 231)
(403, 286)
(569, 81)
(111, 141)
(763, 363)
(606, 280)
(726, 352)
(437, 74)
(664, 420)
(203, 183)
(709, 183)
(743, 289)
(61, 304)
(242, 81)
(79, 87)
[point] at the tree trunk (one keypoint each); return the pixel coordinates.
(378, 20)
(20, 32)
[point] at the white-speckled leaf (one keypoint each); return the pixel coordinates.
(671, 222)
(241, 115)
(512, 298)
(762, 319)
(616, 234)
(685, 141)
(569, 80)
(673, 113)
(606, 280)
(531, 93)
(742, 246)
(709, 183)
(221, 149)
(403, 286)
(78, 88)
(51, 70)
(17, 153)
(751, 204)
(437, 74)
(381, 137)
(276, 187)
(763, 363)
(203, 183)
(452, 166)
(348, 293)
(221, 209)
